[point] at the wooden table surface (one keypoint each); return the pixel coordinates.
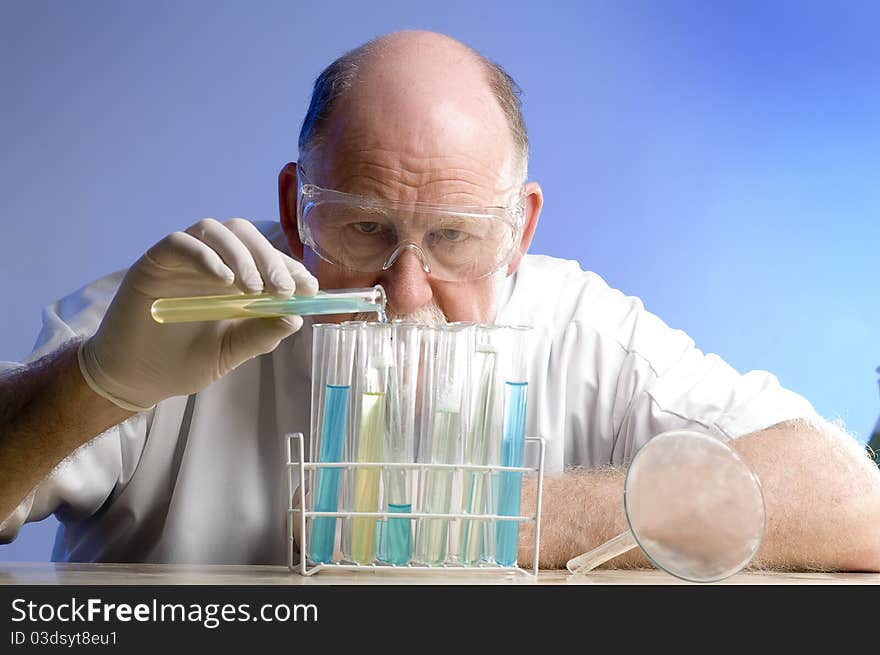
(48, 573)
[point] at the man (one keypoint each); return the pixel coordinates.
(188, 464)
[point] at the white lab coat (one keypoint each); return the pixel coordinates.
(201, 479)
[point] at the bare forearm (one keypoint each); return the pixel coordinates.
(46, 412)
(822, 495)
(821, 492)
(580, 509)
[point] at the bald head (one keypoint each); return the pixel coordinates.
(414, 117)
(422, 95)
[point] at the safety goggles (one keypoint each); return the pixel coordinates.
(368, 235)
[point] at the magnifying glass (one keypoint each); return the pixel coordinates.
(693, 505)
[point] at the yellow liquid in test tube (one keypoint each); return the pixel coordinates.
(366, 481)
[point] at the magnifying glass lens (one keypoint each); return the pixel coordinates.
(694, 506)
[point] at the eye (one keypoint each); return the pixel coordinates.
(453, 235)
(367, 227)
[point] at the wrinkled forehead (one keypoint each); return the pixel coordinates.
(440, 145)
(353, 210)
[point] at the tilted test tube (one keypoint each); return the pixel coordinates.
(264, 305)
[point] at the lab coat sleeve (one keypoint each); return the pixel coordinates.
(668, 383)
(608, 397)
(705, 389)
(612, 374)
(78, 486)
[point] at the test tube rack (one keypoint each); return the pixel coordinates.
(297, 503)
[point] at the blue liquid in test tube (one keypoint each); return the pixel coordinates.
(327, 494)
(510, 483)
(398, 538)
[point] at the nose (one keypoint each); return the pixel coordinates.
(401, 249)
(405, 279)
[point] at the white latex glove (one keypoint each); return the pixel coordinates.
(135, 362)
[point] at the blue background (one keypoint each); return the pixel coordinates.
(718, 160)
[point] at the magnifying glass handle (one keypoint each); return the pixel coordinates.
(619, 545)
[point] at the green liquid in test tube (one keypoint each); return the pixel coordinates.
(438, 488)
(444, 410)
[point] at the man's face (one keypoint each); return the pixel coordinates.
(409, 140)
(411, 291)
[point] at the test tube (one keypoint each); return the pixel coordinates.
(516, 391)
(400, 442)
(483, 443)
(346, 502)
(445, 418)
(264, 305)
(375, 370)
(428, 337)
(332, 362)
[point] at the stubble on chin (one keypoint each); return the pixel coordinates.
(430, 314)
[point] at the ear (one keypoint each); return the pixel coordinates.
(287, 208)
(534, 201)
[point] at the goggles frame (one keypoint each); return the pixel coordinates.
(309, 195)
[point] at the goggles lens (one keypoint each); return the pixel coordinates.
(366, 234)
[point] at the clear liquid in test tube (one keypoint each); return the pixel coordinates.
(332, 362)
(444, 426)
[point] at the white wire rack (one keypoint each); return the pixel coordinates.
(294, 513)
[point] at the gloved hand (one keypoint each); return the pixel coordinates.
(135, 362)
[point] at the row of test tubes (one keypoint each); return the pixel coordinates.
(403, 394)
